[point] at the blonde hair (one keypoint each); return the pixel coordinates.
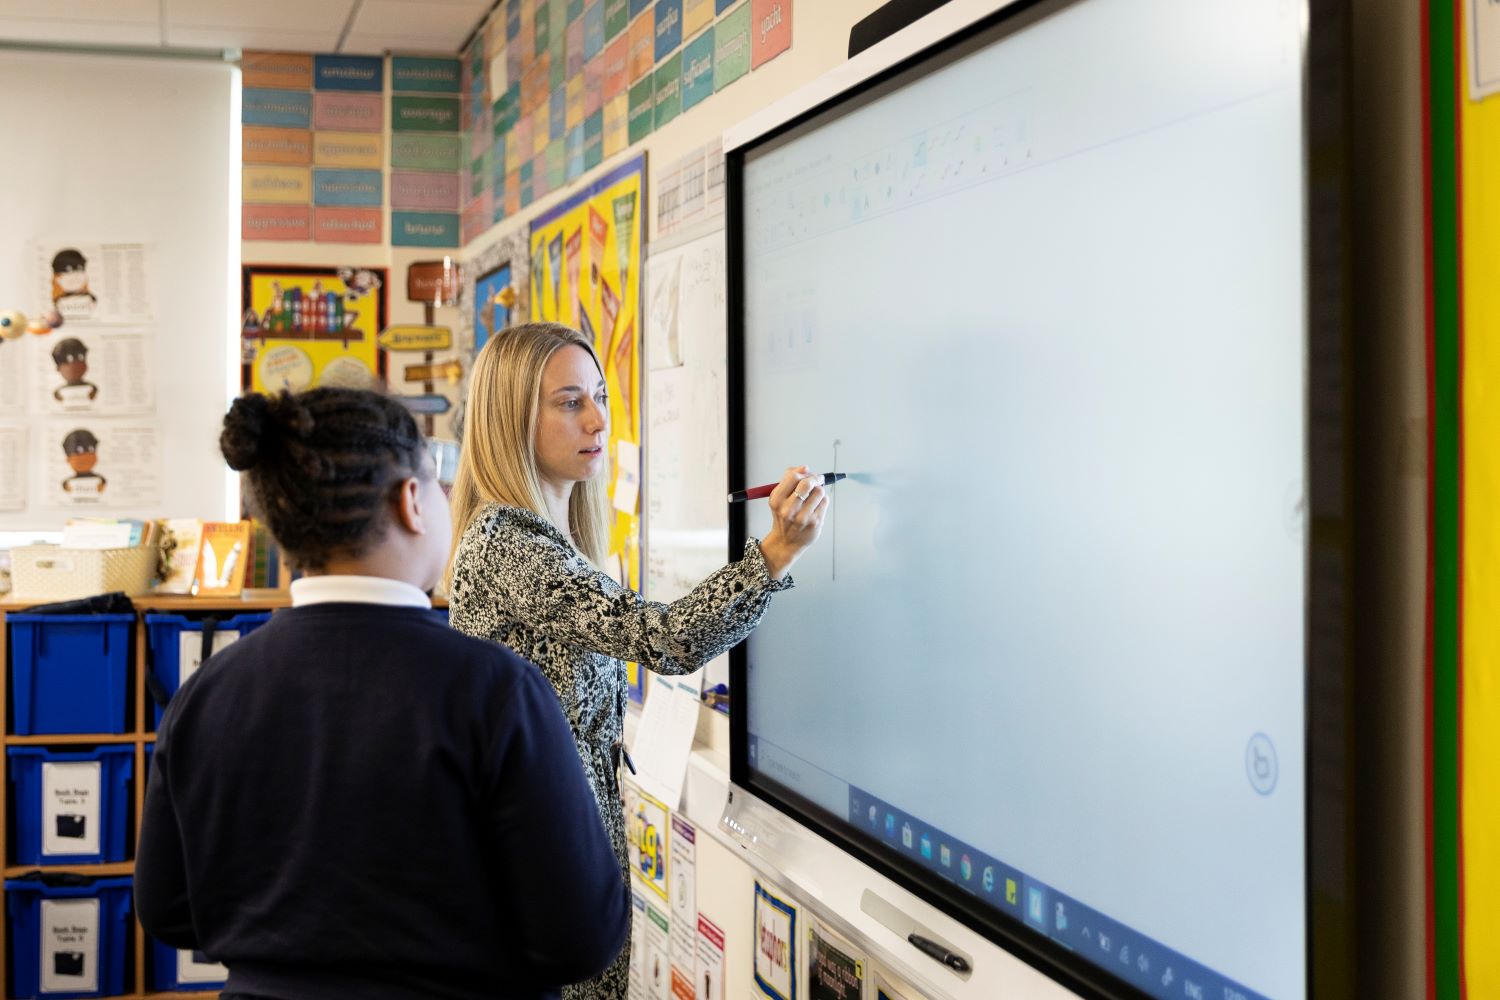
(497, 462)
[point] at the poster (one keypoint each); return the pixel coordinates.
(683, 938)
(775, 931)
(649, 834)
(493, 298)
(656, 967)
(104, 370)
(887, 987)
(636, 988)
(309, 326)
(90, 283)
(13, 367)
(835, 971)
(586, 272)
(708, 980)
(13, 477)
(100, 462)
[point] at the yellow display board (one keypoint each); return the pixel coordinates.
(586, 272)
(309, 326)
(1479, 679)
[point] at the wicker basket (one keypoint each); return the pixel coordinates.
(51, 572)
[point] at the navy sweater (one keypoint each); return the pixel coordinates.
(356, 801)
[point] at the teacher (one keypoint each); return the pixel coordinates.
(531, 529)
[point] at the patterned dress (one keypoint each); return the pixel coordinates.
(519, 581)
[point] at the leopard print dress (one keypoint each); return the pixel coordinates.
(517, 580)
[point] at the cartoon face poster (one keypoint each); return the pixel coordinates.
(93, 369)
(309, 326)
(101, 463)
(84, 283)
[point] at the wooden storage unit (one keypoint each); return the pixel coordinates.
(140, 737)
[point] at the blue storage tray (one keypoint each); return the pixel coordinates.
(26, 765)
(69, 673)
(168, 976)
(164, 637)
(49, 960)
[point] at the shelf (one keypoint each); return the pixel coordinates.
(95, 871)
(74, 739)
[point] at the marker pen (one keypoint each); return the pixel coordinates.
(757, 492)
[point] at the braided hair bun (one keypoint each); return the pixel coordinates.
(319, 465)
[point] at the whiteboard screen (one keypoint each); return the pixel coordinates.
(1045, 296)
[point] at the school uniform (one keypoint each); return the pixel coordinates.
(357, 801)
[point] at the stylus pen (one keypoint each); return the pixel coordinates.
(929, 947)
(757, 492)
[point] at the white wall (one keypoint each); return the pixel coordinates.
(102, 149)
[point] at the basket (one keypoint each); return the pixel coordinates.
(52, 572)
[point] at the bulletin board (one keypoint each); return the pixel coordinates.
(586, 272)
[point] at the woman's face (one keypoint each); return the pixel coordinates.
(572, 425)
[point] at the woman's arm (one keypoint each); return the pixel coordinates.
(539, 581)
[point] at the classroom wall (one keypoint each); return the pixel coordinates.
(103, 149)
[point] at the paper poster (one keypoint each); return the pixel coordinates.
(657, 965)
(683, 939)
(602, 285)
(649, 832)
(887, 987)
(664, 738)
(775, 931)
(93, 282)
(14, 364)
(708, 980)
(99, 462)
(636, 989)
(70, 946)
(493, 299)
(309, 326)
(835, 971)
(190, 651)
(71, 801)
(13, 477)
(100, 370)
(687, 524)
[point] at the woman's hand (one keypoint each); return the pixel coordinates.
(798, 505)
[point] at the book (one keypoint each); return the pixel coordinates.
(222, 559)
(181, 538)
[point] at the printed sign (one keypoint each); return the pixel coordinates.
(69, 958)
(71, 799)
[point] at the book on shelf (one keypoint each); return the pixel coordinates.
(223, 558)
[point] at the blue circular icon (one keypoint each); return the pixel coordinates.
(1260, 764)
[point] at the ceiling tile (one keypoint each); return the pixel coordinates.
(293, 16)
(429, 19)
(110, 11)
(253, 38)
(78, 32)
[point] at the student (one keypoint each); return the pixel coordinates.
(532, 525)
(355, 800)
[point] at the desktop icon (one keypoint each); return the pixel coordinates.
(890, 825)
(1167, 977)
(873, 814)
(1192, 990)
(926, 847)
(1060, 918)
(1034, 904)
(1143, 963)
(1104, 943)
(1010, 891)
(906, 835)
(966, 867)
(1125, 953)
(946, 855)
(988, 878)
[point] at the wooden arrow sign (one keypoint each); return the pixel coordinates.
(450, 370)
(416, 338)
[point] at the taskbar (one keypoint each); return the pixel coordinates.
(1144, 963)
